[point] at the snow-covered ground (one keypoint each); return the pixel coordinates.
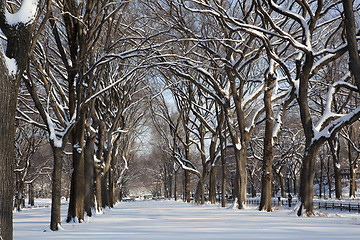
(178, 220)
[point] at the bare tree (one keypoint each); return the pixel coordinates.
(312, 56)
(16, 32)
(350, 134)
(27, 142)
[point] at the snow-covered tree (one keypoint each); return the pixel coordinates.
(15, 42)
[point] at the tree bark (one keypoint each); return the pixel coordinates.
(200, 191)
(187, 173)
(321, 176)
(77, 190)
(223, 168)
(212, 184)
(240, 145)
(352, 181)
(352, 168)
(329, 177)
(350, 28)
(31, 195)
(295, 185)
(335, 151)
(89, 174)
(105, 189)
(175, 186)
(98, 194)
(266, 175)
(242, 178)
(187, 186)
(111, 187)
(19, 191)
(8, 96)
(56, 189)
(18, 43)
(98, 165)
(354, 63)
(307, 179)
(282, 185)
(311, 147)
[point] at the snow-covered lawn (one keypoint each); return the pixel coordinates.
(178, 220)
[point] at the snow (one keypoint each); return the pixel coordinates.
(11, 65)
(25, 14)
(238, 146)
(52, 132)
(178, 220)
(337, 165)
(304, 25)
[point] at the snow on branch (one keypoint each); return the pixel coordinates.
(331, 129)
(182, 161)
(347, 137)
(300, 19)
(25, 15)
(125, 168)
(328, 114)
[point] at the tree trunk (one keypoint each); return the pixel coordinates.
(56, 189)
(200, 191)
(105, 189)
(31, 194)
(282, 185)
(187, 187)
(111, 174)
(242, 177)
(337, 175)
(212, 185)
(8, 96)
(223, 186)
(352, 181)
(351, 33)
(98, 194)
(321, 176)
(253, 190)
(187, 173)
(77, 190)
(352, 169)
(98, 165)
(18, 43)
(295, 185)
(329, 177)
(354, 63)
(307, 179)
(335, 151)
(19, 191)
(223, 168)
(266, 175)
(111, 187)
(175, 186)
(89, 174)
(170, 185)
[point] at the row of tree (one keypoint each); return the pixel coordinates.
(89, 71)
(236, 65)
(82, 83)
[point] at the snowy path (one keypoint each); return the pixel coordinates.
(178, 220)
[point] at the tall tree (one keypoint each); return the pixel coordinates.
(17, 31)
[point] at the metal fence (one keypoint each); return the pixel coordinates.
(355, 206)
(342, 206)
